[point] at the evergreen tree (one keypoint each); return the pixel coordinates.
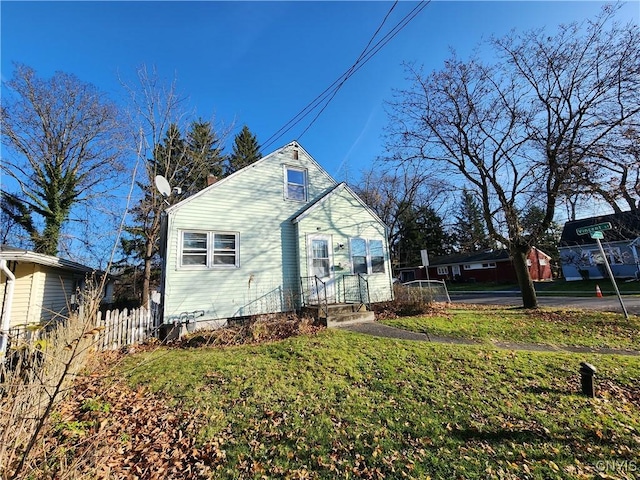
(470, 232)
(185, 163)
(140, 245)
(420, 228)
(204, 154)
(246, 151)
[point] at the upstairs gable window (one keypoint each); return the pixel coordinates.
(296, 184)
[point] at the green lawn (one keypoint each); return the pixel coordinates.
(344, 405)
(543, 326)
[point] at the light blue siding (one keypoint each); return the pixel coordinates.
(252, 203)
(578, 262)
(343, 217)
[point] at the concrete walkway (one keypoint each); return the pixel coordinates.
(380, 330)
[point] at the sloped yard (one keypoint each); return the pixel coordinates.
(338, 404)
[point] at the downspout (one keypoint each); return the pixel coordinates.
(6, 308)
(164, 247)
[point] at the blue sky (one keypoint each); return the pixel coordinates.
(260, 63)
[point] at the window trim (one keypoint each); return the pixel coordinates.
(305, 185)
(210, 251)
(367, 255)
(479, 266)
(443, 270)
(613, 255)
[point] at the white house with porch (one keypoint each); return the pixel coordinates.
(276, 236)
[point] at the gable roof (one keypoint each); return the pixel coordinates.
(266, 158)
(334, 191)
(17, 254)
(625, 226)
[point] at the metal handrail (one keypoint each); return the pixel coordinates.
(361, 278)
(306, 297)
(362, 287)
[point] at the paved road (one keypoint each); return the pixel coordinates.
(608, 303)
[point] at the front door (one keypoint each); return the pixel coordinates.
(320, 255)
(455, 270)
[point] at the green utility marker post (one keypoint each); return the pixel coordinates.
(596, 232)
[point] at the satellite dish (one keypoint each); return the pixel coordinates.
(163, 186)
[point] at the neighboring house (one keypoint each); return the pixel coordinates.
(580, 256)
(492, 266)
(44, 288)
(272, 237)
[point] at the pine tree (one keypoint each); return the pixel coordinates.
(246, 151)
(470, 231)
(420, 228)
(204, 154)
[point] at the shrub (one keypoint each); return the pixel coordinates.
(258, 329)
(407, 302)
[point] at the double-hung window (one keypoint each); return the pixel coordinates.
(359, 255)
(376, 255)
(613, 256)
(367, 256)
(296, 184)
(201, 249)
(194, 249)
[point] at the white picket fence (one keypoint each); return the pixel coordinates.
(126, 327)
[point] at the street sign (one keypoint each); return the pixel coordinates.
(597, 235)
(425, 258)
(593, 228)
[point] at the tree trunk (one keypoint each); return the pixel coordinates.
(146, 280)
(519, 256)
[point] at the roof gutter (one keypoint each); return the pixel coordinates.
(6, 308)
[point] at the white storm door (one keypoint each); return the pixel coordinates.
(455, 270)
(320, 255)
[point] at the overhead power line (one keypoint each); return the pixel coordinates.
(324, 98)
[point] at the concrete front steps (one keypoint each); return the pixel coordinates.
(340, 314)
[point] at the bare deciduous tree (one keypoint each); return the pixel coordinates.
(63, 142)
(392, 191)
(170, 144)
(517, 130)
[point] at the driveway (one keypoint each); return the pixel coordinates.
(607, 304)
